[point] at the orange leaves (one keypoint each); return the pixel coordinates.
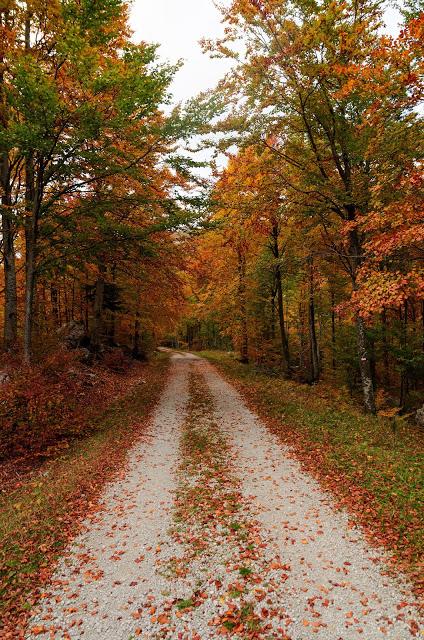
(38, 630)
(163, 619)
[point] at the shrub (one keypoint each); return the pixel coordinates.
(39, 404)
(116, 360)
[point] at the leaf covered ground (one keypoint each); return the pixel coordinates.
(374, 466)
(40, 514)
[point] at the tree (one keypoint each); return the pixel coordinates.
(296, 89)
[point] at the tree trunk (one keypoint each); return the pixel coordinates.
(364, 365)
(404, 386)
(313, 343)
(31, 234)
(138, 352)
(333, 330)
(137, 340)
(272, 328)
(7, 230)
(285, 351)
(385, 347)
(9, 262)
(97, 333)
(363, 354)
(244, 338)
(86, 306)
(32, 203)
(54, 300)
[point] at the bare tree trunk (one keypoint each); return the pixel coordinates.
(313, 343)
(86, 306)
(385, 347)
(422, 324)
(285, 351)
(273, 294)
(363, 352)
(97, 333)
(137, 337)
(333, 329)
(244, 345)
(73, 300)
(54, 300)
(31, 234)
(66, 300)
(9, 262)
(404, 383)
(138, 352)
(364, 365)
(32, 204)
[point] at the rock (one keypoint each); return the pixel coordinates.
(419, 417)
(72, 334)
(4, 377)
(86, 356)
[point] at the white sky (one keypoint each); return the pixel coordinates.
(178, 25)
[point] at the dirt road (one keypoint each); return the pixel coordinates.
(215, 530)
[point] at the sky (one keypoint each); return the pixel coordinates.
(178, 25)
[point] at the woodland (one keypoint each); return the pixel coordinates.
(304, 253)
(298, 259)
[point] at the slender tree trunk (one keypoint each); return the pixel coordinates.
(32, 208)
(54, 300)
(403, 314)
(66, 300)
(385, 347)
(244, 343)
(31, 234)
(137, 334)
(97, 333)
(7, 230)
(9, 262)
(273, 294)
(138, 352)
(86, 306)
(422, 324)
(333, 329)
(313, 343)
(73, 300)
(285, 351)
(368, 391)
(364, 365)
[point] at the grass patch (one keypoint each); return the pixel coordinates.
(376, 470)
(185, 604)
(39, 518)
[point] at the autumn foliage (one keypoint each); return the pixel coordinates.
(314, 267)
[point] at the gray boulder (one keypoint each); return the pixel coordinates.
(72, 334)
(419, 417)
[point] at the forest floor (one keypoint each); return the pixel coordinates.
(214, 529)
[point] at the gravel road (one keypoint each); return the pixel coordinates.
(215, 530)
